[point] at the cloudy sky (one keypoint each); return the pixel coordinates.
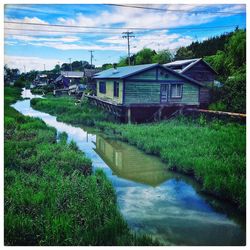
(156, 26)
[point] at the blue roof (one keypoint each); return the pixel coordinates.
(122, 72)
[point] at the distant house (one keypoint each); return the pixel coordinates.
(140, 92)
(88, 76)
(67, 78)
(198, 70)
(40, 80)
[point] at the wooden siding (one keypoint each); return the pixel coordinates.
(149, 92)
(109, 95)
(204, 95)
(201, 72)
(190, 95)
(146, 75)
(166, 76)
(138, 92)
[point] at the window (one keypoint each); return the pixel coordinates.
(116, 89)
(176, 90)
(102, 87)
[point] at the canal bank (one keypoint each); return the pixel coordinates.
(152, 200)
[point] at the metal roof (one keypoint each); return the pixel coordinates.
(91, 72)
(72, 74)
(187, 64)
(182, 62)
(122, 72)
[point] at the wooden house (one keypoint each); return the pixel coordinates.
(144, 92)
(198, 70)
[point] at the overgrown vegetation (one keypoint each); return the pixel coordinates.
(51, 196)
(66, 110)
(213, 152)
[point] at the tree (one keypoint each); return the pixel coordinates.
(183, 53)
(144, 56)
(65, 67)
(236, 51)
(217, 62)
(107, 66)
(10, 74)
(123, 62)
(162, 56)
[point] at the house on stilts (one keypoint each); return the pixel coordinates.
(145, 92)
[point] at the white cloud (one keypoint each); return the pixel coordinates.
(25, 38)
(31, 63)
(70, 46)
(157, 40)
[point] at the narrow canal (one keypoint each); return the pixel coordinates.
(167, 205)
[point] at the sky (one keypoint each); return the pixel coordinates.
(38, 47)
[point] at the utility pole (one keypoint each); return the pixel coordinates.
(24, 67)
(44, 67)
(70, 64)
(128, 35)
(91, 57)
(58, 63)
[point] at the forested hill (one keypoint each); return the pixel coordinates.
(204, 48)
(210, 46)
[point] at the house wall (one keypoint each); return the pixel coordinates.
(149, 92)
(190, 95)
(109, 95)
(145, 88)
(201, 72)
(141, 92)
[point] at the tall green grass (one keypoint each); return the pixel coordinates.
(51, 196)
(68, 111)
(214, 153)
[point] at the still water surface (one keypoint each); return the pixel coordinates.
(167, 205)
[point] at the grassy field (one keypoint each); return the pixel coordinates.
(67, 111)
(214, 153)
(51, 196)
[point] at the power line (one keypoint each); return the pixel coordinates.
(131, 28)
(128, 35)
(175, 10)
(64, 31)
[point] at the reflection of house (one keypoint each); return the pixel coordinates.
(198, 70)
(130, 163)
(138, 92)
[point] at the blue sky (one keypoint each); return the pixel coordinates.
(36, 45)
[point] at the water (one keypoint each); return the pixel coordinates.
(167, 205)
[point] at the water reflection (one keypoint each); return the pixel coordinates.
(131, 164)
(151, 199)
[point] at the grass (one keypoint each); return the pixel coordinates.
(214, 152)
(67, 111)
(51, 196)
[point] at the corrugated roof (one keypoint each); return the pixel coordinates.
(91, 72)
(122, 72)
(182, 62)
(73, 74)
(187, 65)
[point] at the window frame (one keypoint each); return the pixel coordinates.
(116, 87)
(102, 87)
(181, 91)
